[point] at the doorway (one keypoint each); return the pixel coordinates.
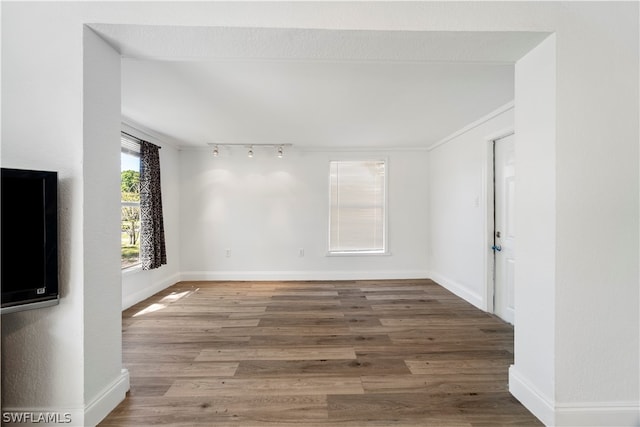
(504, 235)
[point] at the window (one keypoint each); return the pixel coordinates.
(130, 201)
(357, 223)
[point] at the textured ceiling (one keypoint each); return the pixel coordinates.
(311, 103)
(309, 87)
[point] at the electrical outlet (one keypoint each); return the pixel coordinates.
(301, 252)
(227, 252)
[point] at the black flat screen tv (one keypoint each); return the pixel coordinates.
(29, 234)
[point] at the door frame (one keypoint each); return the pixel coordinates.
(489, 223)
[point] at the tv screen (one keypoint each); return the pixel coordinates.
(29, 234)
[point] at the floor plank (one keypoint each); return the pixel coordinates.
(346, 353)
(297, 353)
(266, 386)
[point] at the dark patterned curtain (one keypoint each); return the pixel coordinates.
(152, 247)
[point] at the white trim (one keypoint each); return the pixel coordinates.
(508, 106)
(141, 132)
(503, 133)
(131, 299)
(489, 226)
(89, 415)
(533, 399)
(317, 148)
(348, 149)
(598, 414)
(459, 290)
(357, 253)
(133, 269)
(584, 414)
(96, 410)
(235, 275)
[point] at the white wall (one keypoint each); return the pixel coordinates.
(597, 198)
(61, 104)
(580, 225)
(138, 285)
(38, 345)
(104, 383)
(458, 191)
(265, 209)
(534, 370)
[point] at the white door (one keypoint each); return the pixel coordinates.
(504, 233)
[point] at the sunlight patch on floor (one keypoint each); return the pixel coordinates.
(164, 302)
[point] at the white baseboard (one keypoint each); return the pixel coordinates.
(106, 401)
(598, 414)
(575, 414)
(535, 401)
(459, 290)
(303, 275)
(131, 299)
(90, 415)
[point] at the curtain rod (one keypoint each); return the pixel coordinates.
(139, 139)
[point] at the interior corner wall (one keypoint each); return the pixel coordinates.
(137, 285)
(457, 209)
(577, 220)
(265, 218)
(532, 377)
(105, 384)
(60, 101)
(597, 211)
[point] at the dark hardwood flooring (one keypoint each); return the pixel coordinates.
(346, 353)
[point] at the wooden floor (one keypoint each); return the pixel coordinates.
(356, 353)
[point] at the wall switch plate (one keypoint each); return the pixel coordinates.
(227, 252)
(301, 252)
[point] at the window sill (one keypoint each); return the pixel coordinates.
(358, 253)
(131, 270)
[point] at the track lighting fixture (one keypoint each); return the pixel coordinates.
(250, 147)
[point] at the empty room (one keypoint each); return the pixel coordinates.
(329, 213)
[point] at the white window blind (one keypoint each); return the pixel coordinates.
(357, 211)
(129, 144)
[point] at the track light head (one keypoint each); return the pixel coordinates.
(215, 147)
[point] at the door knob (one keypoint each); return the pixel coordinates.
(496, 248)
